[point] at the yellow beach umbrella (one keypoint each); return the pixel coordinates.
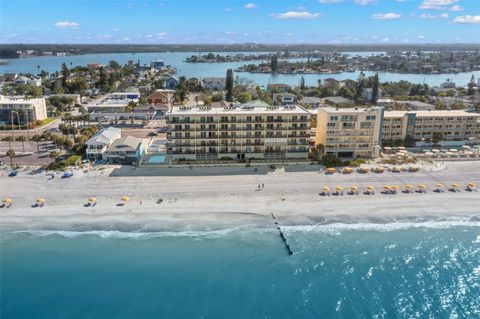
(422, 186)
(455, 185)
(339, 188)
(354, 187)
(92, 199)
(396, 187)
(326, 189)
(347, 170)
(408, 187)
(370, 188)
(125, 198)
(471, 185)
(440, 185)
(386, 187)
(331, 170)
(40, 200)
(7, 200)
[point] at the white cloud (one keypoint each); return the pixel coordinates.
(375, 37)
(456, 8)
(228, 9)
(433, 16)
(161, 35)
(250, 6)
(295, 15)
(436, 4)
(330, 1)
(468, 19)
(421, 37)
(66, 24)
(364, 2)
(385, 39)
(386, 16)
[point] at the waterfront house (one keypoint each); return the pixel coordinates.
(278, 87)
(97, 144)
(214, 83)
(311, 101)
(171, 83)
(125, 150)
(331, 83)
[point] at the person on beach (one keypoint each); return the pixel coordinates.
(263, 185)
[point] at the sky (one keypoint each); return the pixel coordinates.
(234, 21)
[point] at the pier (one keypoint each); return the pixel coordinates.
(282, 236)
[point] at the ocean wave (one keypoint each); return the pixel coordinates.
(332, 228)
(338, 228)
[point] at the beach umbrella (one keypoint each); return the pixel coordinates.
(422, 186)
(339, 188)
(125, 198)
(396, 169)
(387, 188)
(326, 189)
(439, 185)
(408, 187)
(92, 199)
(331, 170)
(40, 200)
(347, 170)
(471, 186)
(7, 200)
(455, 185)
(354, 188)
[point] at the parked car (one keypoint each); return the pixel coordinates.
(152, 134)
(13, 173)
(162, 130)
(67, 175)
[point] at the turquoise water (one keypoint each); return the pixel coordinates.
(427, 270)
(155, 159)
(201, 70)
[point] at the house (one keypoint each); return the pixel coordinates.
(21, 80)
(214, 83)
(448, 84)
(279, 87)
(284, 99)
(331, 83)
(10, 76)
(162, 98)
(347, 83)
(158, 64)
(336, 100)
(97, 144)
(311, 101)
(34, 82)
(171, 83)
(125, 150)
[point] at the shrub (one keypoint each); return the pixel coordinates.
(60, 165)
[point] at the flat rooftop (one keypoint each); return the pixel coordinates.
(243, 109)
(435, 113)
(348, 110)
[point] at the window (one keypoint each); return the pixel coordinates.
(333, 118)
(371, 117)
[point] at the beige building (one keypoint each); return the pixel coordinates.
(24, 109)
(421, 125)
(238, 132)
(349, 132)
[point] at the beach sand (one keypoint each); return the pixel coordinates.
(193, 202)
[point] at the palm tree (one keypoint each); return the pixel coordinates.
(54, 154)
(11, 154)
(22, 139)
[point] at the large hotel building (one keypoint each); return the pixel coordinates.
(238, 132)
(421, 125)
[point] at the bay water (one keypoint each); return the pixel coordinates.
(201, 70)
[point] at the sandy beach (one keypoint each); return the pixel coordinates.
(194, 202)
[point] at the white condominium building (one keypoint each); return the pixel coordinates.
(349, 132)
(421, 125)
(238, 132)
(22, 109)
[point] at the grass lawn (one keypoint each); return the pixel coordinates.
(46, 121)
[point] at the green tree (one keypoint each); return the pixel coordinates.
(244, 97)
(274, 63)
(302, 83)
(471, 86)
(229, 86)
(375, 85)
(360, 87)
(437, 137)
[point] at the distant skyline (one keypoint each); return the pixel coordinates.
(233, 21)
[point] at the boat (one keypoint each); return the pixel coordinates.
(4, 61)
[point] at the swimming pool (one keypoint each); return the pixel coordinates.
(157, 159)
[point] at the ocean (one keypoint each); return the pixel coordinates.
(201, 70)
(396, 270)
